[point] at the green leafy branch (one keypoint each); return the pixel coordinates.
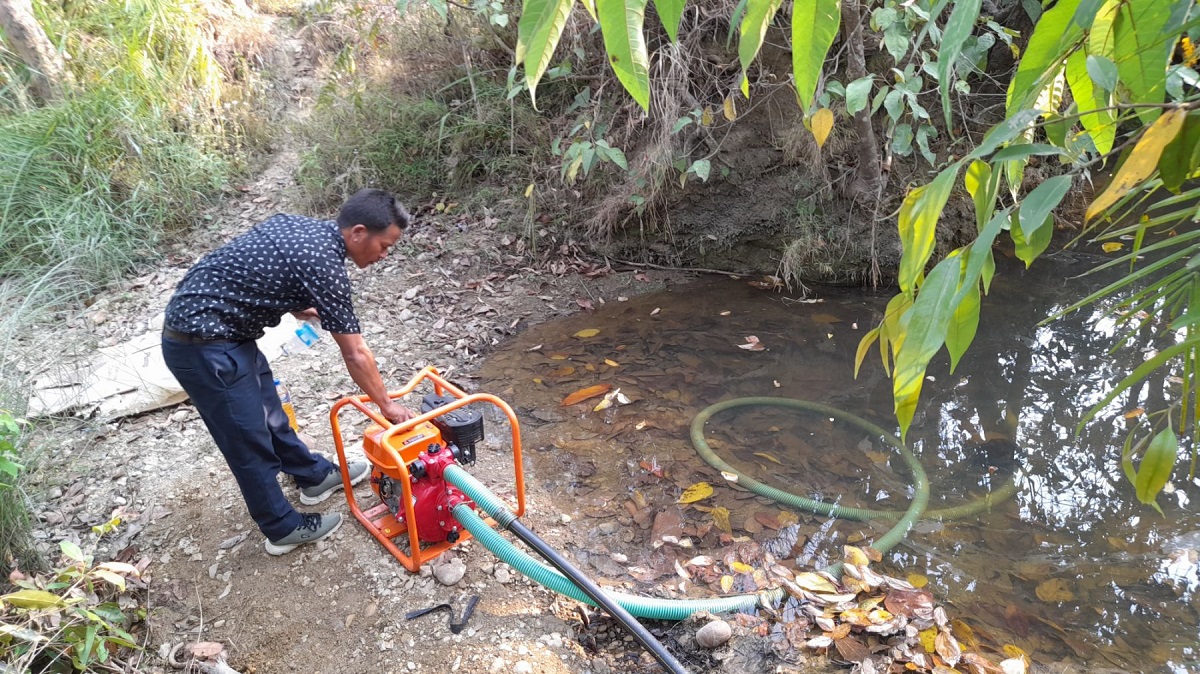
(75, 618)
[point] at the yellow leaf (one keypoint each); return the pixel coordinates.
(928, 637)
(529, 190)
(1014, 651)
(1141, 162)
(559, 356)
(706, 117)
(768, 457)
(33, 599)
(726, 583)
(1112, 246)
(1133, 414)
(741, 567)
(822, 124)
(815, 583)
(854, 556)
(590, 332)
(963, 632)
(730, 108)
(917, 580)
(721, 519)
(828, 319)
(1054, 590)
(611, 363)
(696, 492)
(113, 579)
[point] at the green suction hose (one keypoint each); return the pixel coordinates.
(920, 482)
(680, 609)
(642, 607)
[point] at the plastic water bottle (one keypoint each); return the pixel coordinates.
(306, 335)
(285, 400)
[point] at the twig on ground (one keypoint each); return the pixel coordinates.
(700, 270)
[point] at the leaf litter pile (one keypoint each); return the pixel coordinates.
(601, 396)
(873, 621)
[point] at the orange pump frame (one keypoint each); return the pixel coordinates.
(377, 519)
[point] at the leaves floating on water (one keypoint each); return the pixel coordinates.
(611, 363)
(768, 457)
(590, 332)
(586, 393)
(752, 344)
(1112, 246)
(696, 492)
(917, 580)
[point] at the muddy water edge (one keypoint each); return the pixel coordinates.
(1072, 570)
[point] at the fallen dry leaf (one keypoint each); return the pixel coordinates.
(206, 650)
(589, 332)
(586, 393)
(1054, 590)
(696, 492)
(752, 344)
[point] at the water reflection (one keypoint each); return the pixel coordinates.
(1073, 571)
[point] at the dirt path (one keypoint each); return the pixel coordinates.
(453, 289)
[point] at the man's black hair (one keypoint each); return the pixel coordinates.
(374, 209)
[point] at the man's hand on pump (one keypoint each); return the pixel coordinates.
(396, 413)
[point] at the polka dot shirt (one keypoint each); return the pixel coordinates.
(285, 263)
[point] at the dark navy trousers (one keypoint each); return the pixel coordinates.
(232, 387)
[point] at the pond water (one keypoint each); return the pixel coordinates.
(1072, 570)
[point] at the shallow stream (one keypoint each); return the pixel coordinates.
(1073, 570)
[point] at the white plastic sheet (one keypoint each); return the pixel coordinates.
(126, 379)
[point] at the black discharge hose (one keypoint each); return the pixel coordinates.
(602, 599)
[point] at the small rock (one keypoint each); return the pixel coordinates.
(451, 572)
(600, 666)
(522, 667)
(565, 518)
(609, 528)
(713, 634)
(502, 574)
(232, 541)
(497, 665)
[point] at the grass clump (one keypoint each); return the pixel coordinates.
(16, 546)
(135, 147)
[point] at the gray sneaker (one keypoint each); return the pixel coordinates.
(312, 529)
(313, 495)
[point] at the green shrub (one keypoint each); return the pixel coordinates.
(376, 140)
(16, 546)
(76, 618)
